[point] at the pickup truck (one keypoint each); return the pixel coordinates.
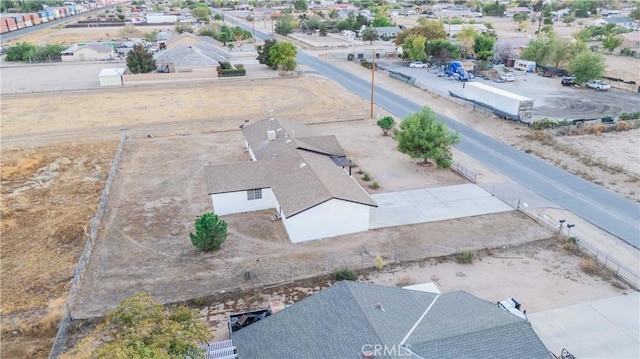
(598, 85)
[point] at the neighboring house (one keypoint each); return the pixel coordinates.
(305, 179)
(362, 320)
(513, 47)
(454, 30)
(630, 40)
(191, 56)
(387, 31)
(621, 21)
(90, 52)
(517, 10)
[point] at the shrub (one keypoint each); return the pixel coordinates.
(546, 123)
(379, 263)
(465, 257)
(622, 126)
(375, 185)
(345, 273)
(232, 73)
(571, 245)
(366, 177)
(591, 267)
(210, 233)
(625, 116)
(406, 281)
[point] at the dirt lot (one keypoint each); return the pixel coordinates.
(48, 198)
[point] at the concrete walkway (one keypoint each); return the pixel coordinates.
(606, 328)
(432, 204)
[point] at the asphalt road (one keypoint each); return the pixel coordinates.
(602, 207)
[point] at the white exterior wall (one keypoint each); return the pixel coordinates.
(332, 218)
(110, 80)
(237, 202)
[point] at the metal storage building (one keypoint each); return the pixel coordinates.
(111, 77)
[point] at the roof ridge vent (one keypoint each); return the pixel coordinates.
(302, 165)
(379, 306)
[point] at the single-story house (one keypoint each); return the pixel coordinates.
(388, 31)
(198, 56)
(622, 21)
(630, 40)
(454, 30)
(90, 52)
(111, 77)
(517, 10)
(306, 180)
(363, 320)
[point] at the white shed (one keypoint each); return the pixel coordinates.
(111, 77)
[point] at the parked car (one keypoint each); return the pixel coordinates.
(418, 64)
(508, 77)
(569, 81)
(598, 85)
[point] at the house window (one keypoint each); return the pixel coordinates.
(254, 194)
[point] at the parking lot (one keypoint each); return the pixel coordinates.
(551, 99)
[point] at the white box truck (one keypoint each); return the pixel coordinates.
(502, 103)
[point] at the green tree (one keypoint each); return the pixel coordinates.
(494, 9)
(263, 52)
(443, 50)
(429, 29)
(521, 16)
(547, 15)
(381, 21)
(414, 48)
(140, 60)
(180, 28)
(386, 123)
(217, 17)
(611, 43)
(44, 53)
(635, 13)
(333, 14)
(19, 52)
(281, 52)
(210, 233)
(483, 46)
(224, 37)
(370, 34)
(583, 35)
(466, 38)
(587, 66)
(140, 328)
(300, 5)
(422, 135)
(151, 35)
(289, 64)
(283, 26)
(201, 13)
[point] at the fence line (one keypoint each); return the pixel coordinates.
(464, 171)
(63, 328)
(621, 272)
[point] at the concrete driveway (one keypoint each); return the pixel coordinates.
(432, 204)
(606, 328)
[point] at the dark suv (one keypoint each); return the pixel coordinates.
(569, 81)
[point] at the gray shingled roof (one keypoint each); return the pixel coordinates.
(199, 54)
(337, 322)
(299, 179)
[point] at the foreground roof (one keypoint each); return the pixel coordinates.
(339, 321)
(300, 172)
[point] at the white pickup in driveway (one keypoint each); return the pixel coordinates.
(432, 204)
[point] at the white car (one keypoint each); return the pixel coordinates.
(508, 77)
(418, 64)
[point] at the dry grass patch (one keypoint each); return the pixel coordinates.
(591, 267)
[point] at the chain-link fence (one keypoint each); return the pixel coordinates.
(65, 322)
(620, 271)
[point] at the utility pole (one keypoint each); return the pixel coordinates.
(373, 71)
